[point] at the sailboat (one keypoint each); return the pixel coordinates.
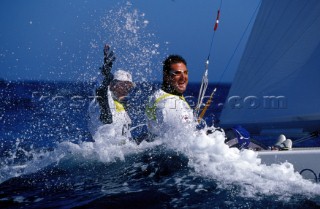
(275, 89)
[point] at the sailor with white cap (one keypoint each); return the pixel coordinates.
(106, 107)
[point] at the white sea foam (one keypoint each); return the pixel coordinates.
(212, 158)
(108, 147)
(208, 156)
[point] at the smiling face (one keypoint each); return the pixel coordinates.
(176, 80)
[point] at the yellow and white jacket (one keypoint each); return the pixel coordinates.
(121, 120)
(167, 112)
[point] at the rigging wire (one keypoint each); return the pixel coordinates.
(239, 42)
(312, 135)
(204, 82)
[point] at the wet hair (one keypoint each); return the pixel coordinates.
(172, 59)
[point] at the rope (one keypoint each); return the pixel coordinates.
(312, 135)
(207, 105)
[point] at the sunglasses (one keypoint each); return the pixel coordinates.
(178, 72)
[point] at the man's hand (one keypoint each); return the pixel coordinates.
(109, 58)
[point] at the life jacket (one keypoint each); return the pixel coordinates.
(121, 120)
(165, 111)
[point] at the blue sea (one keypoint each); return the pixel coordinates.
(48, 159)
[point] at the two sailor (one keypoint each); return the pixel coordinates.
(166, 109)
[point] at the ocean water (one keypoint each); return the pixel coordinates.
(48, 159)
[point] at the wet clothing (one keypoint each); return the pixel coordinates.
(107, 110)
(167, 111)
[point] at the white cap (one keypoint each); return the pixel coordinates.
(122, 75)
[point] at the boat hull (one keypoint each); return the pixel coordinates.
(304, 160)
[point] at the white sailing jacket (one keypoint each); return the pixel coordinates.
(121, 120)
(167, 112)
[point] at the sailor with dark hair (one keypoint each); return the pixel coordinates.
(167, 107)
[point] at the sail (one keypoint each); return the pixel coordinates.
(277, 83)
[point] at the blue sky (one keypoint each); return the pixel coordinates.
(63, 39)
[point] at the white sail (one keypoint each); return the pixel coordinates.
(278, 80)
